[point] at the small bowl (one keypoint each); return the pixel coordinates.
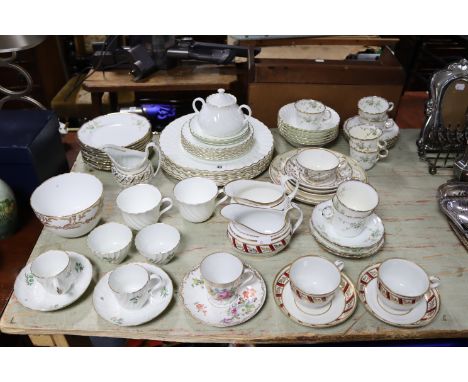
(158, 242)
(110, 242)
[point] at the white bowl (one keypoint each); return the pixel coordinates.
(158, 242)
(110, 242)
(69, 205)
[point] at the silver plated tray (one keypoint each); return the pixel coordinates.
(453, 202)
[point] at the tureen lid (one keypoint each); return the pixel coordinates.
(221, 99)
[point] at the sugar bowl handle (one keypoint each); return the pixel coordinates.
(194, 104)
(249, 112)
(434, 281)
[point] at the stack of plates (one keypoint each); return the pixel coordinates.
(300, 134)
(180, 164)
(212, 148)
(314, 193)
(122, 129)
(390, 134)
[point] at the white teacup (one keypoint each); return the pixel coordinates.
(311, 111)
(402, 284)
(132, 285)
(366, 138)
(196, 198)
(374, 108)
(314, 281)
(54, 271)
(318, 165)
(141, 205)
(367, 160)
(352, 204)
(223, 275)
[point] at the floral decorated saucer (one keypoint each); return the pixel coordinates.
(32, 295)
(339, 310)
(249, 301)
(372, 234)
(422, 314)
(107, 307)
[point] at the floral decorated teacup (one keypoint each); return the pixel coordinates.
(374, 108)
(224, 274)
(311, 111)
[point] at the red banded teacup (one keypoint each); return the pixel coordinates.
(314, 280)
(402, 284)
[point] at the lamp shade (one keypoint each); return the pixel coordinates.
(10, 44)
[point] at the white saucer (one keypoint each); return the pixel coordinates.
(289, 115)
(249, 301)
(107, 307)
(371, 235)
(390, 134)
(422, 314)
(32, 295)
(339, 310)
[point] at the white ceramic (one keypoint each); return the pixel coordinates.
(261, 221)
(196, 198)
(366, 138)
(402, 284)
(182, 165)
(69, 205)
(290, 122)
(246, 304)
(133, 285)
(197, 132)
(342, 304)
(389, 128)
(314, 281)
(367, 160)
(158, 242)
(223, 275)
(370, 236)
(120, 129)
(108, 308)
(421, 314)
(352, 204)
(141, 204)
(317, 165)
(220, 116)
(110, 242)
(54, 271)
(31, 294)
(374, 108)
(130, 167)
(311, 111)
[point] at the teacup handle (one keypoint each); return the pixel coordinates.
(325, 113)
(383, 153)
(339, 264)
(247, 278)
(169, 206)
(299, 219)
(434, 281)
(249, 112)
(283, 181)
(58, 288)
(341, 167)
(221, 191)
(194, 104)
(390, 106)
(327, 212)
(388, 123)
(382, 145)
(157, 284)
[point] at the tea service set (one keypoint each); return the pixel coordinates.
(223, 290)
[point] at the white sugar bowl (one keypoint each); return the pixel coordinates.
(220, 116)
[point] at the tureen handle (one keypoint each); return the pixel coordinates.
(249, 112)
(194, 104)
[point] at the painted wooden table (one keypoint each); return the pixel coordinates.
(415, 229)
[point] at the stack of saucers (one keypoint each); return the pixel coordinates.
(318, 171)
(260, 231)
(374, 111)
(308, 123)
(122, 129)
(347, 225)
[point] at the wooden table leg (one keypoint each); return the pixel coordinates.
(96, 99)
(49, 340)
